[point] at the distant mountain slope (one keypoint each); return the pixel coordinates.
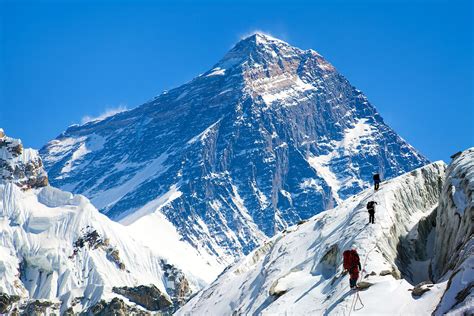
(58, 253)
(272, 134)
(423, 234)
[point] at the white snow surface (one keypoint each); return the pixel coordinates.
(153, 229)
(296, 264)
(38, 228)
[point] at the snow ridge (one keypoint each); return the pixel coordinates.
(298, 271)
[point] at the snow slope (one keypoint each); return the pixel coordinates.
(298, 271)
(57, 247)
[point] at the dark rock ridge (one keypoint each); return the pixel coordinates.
(271, 135)
(6, 302)
(149, 297)
(21, 166)
(116, 307)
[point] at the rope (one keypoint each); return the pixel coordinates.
(357, 296)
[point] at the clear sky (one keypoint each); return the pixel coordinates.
(61, 61)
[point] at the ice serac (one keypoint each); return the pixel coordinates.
(59, 254)
(271, 135)
(454, 239)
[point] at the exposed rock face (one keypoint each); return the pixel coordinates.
(454, 239)
(91, 239)
(20, 166)
(14, 305)
(363, 285)
(273, 134)
(421, 289)
(177, 284)
(6, 301)
(41, 307)
(149, 297)
(115, 307)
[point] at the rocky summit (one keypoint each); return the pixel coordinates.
(271, 135)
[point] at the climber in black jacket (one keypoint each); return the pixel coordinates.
(376, 181)
(371, 209)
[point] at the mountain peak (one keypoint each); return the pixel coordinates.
(258, 48)
(272, 134)
(262, 38)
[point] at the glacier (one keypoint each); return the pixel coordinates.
(59, 254)
(269, 136)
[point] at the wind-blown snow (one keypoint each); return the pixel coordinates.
(216, 72)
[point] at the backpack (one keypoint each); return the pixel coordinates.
(350, 259)
(377, 177)
(371, 205)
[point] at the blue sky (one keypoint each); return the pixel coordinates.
(61, 61)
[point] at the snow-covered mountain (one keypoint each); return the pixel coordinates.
(417, 258)
(271, 135)
(58, 254)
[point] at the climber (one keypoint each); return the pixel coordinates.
(376, 181)
(351, 263)
(371, 209)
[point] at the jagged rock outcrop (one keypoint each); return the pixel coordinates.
(149, 297)
(115, 307)
(271, 135)
(177, 283)
(23, 167)
(6, 301)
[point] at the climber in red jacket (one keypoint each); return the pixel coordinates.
(351, 263)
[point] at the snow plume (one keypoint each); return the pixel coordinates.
(107, 113)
